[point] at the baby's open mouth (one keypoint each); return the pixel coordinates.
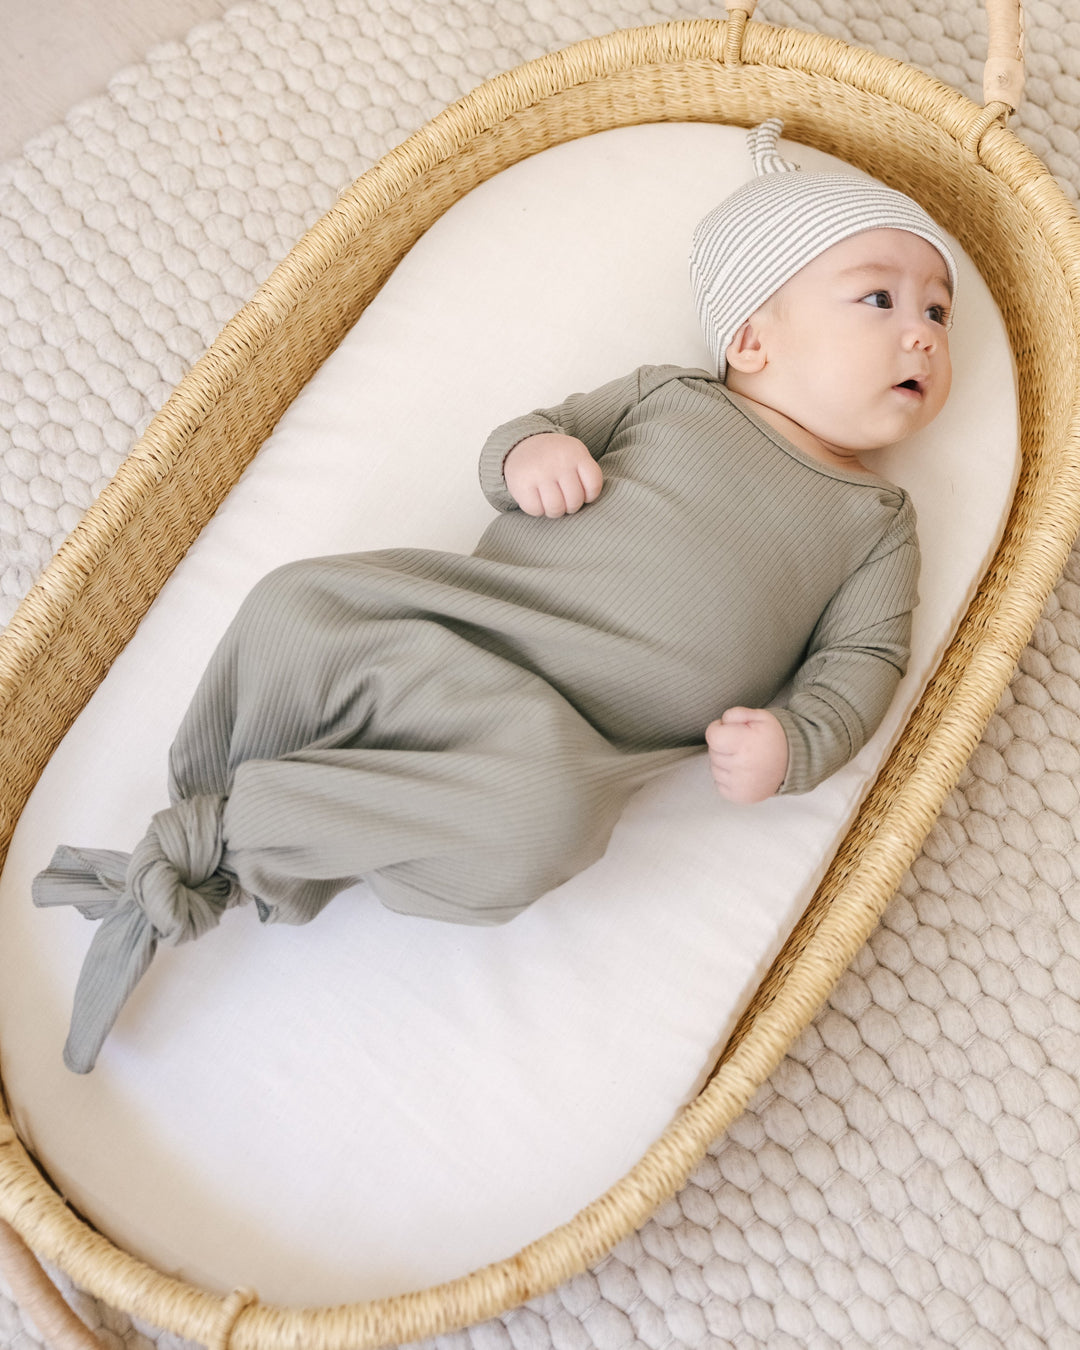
(913, 385)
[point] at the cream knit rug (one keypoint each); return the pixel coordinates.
(910, 1176)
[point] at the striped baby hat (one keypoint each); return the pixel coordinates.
(773, 225)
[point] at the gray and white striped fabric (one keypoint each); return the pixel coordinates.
(768, 229)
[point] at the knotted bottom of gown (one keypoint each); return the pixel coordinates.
(170, 889)
(296, 831)
(349, 727)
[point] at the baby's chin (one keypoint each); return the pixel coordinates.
(865, 441)
(892, 417)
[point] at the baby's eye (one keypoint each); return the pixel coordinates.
(879, 299)
(938, 314)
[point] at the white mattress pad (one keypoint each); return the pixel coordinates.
(375, 1103)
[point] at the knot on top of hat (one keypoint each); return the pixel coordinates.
(762, 141)
(170, 889)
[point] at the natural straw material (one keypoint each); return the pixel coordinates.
(919, 136)
(39, 1298)
(1003, 76)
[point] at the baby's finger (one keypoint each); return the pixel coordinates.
(573, 492)
(726, 783)
(554, 503)
(592, 478)
(528, 499)
(721, 738)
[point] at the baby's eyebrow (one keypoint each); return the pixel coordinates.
(877, 268)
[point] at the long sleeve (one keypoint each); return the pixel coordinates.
(855, 659)
(592, 417)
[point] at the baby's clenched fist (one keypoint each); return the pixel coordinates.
(748, 754)
(552, 474)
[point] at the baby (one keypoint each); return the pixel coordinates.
(463, 732)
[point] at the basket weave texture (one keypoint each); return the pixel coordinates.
(910, 131)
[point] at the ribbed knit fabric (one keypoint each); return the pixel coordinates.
(464, 731)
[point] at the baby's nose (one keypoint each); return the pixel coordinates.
(923, 332)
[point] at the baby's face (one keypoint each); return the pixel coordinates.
(857, 344)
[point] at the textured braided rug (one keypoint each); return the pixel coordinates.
(910, 1176)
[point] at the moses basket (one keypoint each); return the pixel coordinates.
(967, 170)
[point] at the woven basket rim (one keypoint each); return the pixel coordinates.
(28, 1202)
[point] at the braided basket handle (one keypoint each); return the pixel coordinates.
(1003, 74)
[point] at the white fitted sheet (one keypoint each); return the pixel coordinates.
(375, 1102)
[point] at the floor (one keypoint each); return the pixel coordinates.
(55, 53)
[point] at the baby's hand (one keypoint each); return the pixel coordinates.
(552, 474)
(748, 754)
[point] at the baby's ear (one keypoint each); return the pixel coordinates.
(746, 352)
